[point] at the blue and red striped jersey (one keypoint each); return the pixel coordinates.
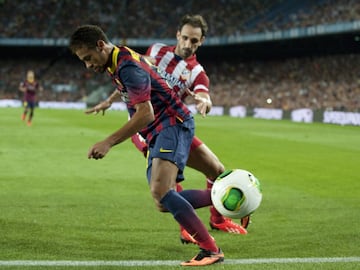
(139, 81)
(31, 89)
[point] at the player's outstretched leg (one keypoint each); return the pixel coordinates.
(221, 223)
(23, 115)
(31, 115)
(182, 206)
(202, 159)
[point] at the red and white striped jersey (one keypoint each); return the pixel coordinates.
(179, 73)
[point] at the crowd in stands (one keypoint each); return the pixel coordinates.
(327, 82)
(308, 13)
(65, 72)
(319, 83)
(158, 18)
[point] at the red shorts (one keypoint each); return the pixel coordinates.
(196, 142)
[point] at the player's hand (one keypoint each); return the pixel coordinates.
(202, 104)
(99, 150)
(103, 106)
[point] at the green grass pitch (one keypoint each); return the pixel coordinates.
(55, 204)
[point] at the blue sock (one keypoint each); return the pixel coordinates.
(185, 215)
(197, 198)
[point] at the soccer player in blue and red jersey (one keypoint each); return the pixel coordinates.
(179, 66)
(29, 87)
(159, 115)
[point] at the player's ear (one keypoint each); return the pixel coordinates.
(100, 45)
(202, 40)
(178, 35)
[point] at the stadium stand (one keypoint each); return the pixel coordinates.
(319, 83)
(150, 19)
(316, 82)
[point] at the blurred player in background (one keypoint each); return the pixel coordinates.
(30, 87)
(161, 117)
(179, 66)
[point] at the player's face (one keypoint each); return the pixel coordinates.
(30, 76)
(188, 40)
(95, 59)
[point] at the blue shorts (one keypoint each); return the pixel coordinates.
(173, 144)
(29, 104)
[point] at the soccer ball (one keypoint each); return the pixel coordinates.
(236, 193)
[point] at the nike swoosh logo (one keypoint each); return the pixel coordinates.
(162, 150)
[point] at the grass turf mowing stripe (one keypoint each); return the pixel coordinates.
(171, 263)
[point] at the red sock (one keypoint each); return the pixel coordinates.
(208, 244)
(209, 183)
(179, 187)
(215, 216)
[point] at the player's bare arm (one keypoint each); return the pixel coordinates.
(150, 59)
(22, 88)
(202, 101)
(143, 116)
(104, 105)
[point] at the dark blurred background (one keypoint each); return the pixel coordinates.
(299, 53)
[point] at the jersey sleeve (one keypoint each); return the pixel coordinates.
(148, 51)
(201, 83)
(154, 49)
(137, 83)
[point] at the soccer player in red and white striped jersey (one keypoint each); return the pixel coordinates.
(181, 73)
(179, 66)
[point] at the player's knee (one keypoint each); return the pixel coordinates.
(160, 207)
(157, 198)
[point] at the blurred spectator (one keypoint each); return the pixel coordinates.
(327, 82)
(158, 18)
(312, 82)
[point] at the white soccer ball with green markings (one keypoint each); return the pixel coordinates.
(236, 193)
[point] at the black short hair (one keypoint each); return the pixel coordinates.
(86, 36)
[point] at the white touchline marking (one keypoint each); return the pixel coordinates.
(168, 262)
